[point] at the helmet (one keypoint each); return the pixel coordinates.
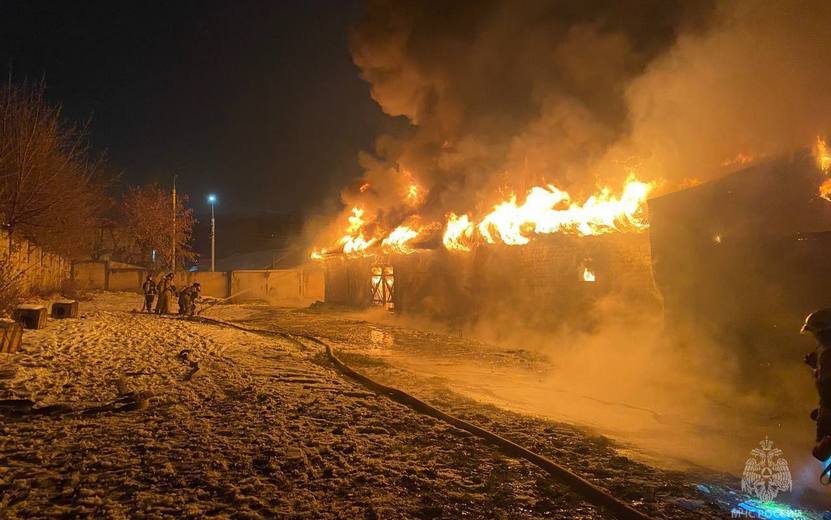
(817, 322)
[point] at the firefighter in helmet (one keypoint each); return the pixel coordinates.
(818, 325)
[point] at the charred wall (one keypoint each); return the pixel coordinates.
(540, 284)
(347, 281)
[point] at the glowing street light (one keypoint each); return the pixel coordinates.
(212, 201)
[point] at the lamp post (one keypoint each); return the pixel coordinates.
(212, 201)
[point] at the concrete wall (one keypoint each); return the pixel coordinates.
(214, 284)
(90, 274)
(125, 279)
(314, 283)
(300, 286)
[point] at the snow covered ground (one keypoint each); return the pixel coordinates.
(263, 429)
(228, 423)
(660, 458)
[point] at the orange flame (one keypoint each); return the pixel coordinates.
(458, 232)
(545, 210)
(739, 160)
(588, 275)
(821, 155)
(354, 242)
(396, 242)
(823, 159)
(550, 210)
(412, 194)
(825, 190)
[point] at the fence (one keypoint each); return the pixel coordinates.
(299, 286)
(39, 271)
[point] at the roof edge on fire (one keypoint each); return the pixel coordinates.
(775, 197)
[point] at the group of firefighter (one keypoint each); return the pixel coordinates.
(164, 291)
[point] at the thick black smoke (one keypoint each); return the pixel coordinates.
(502, 95)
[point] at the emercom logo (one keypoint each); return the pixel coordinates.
(766, 472)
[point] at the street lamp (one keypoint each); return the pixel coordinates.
(212, 201)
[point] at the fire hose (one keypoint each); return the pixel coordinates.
(592, 493)
(207, 305)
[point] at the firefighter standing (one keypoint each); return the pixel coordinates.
(818, 325)
(164, 289)
(161, 289)
(149, 288)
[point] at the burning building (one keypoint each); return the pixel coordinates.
(492, 199)
(741, 258)
(744, 258)
(552, 281)
(545, 260)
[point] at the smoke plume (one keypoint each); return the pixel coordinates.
(502, 96)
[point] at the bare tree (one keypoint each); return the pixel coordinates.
(147, 222)
(50, 189)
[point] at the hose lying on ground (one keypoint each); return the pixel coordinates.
(581, 486)
(130, 402)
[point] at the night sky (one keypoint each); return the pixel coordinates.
(256, 101)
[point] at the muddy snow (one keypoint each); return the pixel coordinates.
(119, 414)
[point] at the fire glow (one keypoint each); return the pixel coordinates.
(458, 232)
(823, 159)
(544, 210)
(396, 242)
(549, 210)
(354, 242)
(588, 275)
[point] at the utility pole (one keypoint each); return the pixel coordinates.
(212, 200)
(173, 236)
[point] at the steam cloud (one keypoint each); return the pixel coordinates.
(504, 95)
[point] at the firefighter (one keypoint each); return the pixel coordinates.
(149, 289)
(196, 288)
(188, 298)
(818, 325)
(164, 289)
(184, 301)
(161, 290)
(171, 293)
